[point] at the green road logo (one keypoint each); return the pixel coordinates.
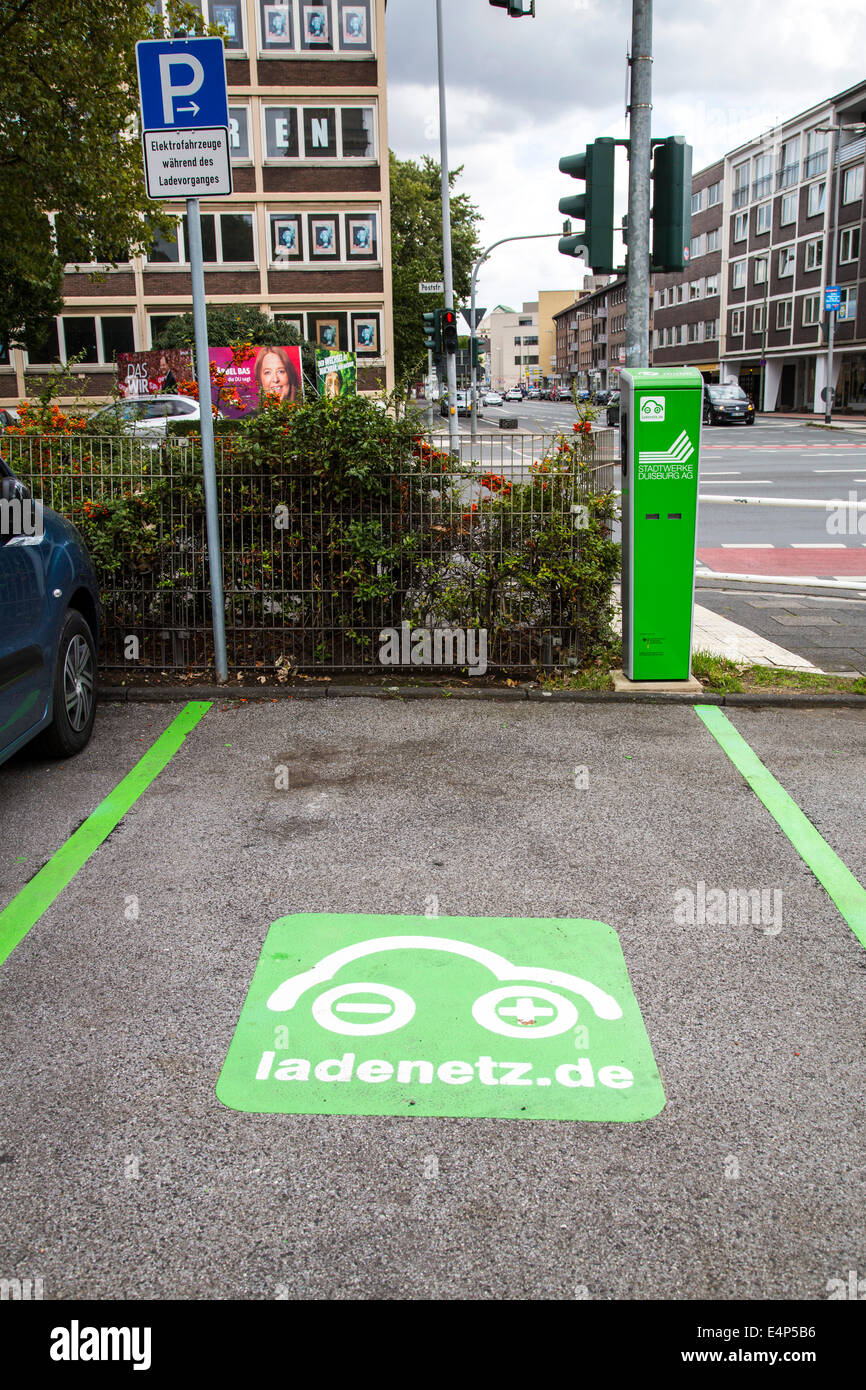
(444, 1024)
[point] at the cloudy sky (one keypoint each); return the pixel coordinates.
(522, 92)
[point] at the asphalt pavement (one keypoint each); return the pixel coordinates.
(122, 1174)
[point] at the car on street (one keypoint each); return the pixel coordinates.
(727, 404)
(534, 394)
(145, 418)
(491, 398)
(8, 416)
(514, 394)
(612, 408)
(49, 627)
(601, 397)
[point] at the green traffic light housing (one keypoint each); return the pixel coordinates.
(448, 320)
(516, 8)
(433, 331)
(594, 207)
(672, 204)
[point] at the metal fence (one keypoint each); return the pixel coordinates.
(481, 538)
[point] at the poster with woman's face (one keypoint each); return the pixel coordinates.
(286, 232)
(277, 25)
(324, 238)
(240, 381)
(353, 26)
(361, 237)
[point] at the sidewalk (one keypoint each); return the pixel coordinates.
(840, 422)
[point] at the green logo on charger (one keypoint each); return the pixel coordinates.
(478, 1016)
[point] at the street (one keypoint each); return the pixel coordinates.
(123, 1175)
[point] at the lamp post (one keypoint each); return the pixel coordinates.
(530, 236)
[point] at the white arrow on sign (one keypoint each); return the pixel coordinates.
(192, 107)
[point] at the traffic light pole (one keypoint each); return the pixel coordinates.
(640, 136)
(450, 357)
(531, 236)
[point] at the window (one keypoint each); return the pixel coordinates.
(763, 218)
(678, 333)
(758, 318)
(761, 270)
(817, 193)
(788, 210)
(816, 153)
(711, 329)
(787, 258)
(694, 289)
(848, 307)
(852, 184)
(229, 16)
(524, 323)
(714, 194)
(814, 254)
(698, 246)
(158, 324)
(811, 310)
(763, 172)
(741, 226)
(227, 238)
(517, 361)
(784, 313)
(657, 338)
(660, 299)
(92, 340)
(849, 245)
(694, 332)
(517, 342)
(714, 239)
(287, 29)
(530, 342)
(789, 162)
(738, 275)
(713, 285)
(319, 133)
(681, 293)
(737, 320)
(741, 185)
(697, 201)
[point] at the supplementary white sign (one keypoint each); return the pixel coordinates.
(187, 163)
(431, 287)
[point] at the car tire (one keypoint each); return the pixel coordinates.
(751, 422)
(74, 693)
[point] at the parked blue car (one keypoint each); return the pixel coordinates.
(49, 627)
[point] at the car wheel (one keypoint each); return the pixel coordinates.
(751, 422)
(74, 695)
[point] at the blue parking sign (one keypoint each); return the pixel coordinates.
(182, 83)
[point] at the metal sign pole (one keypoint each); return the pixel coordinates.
(202, 367)
(450, 363)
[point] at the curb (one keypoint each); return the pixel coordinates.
(794, 699)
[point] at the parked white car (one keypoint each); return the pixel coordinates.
(146, 416)
(491, 398)
(514, 394)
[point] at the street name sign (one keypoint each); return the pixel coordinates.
(431, 287)
(519, 1019)
(184, 117)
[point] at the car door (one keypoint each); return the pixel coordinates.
(24, 677)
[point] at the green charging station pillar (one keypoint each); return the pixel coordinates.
(660, 442)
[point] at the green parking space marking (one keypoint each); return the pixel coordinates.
(37, 896)
(497, 1018)
(847, 892)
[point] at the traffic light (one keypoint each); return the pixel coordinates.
(433, 331)
(516, 8)
(477, 353)
(672, 204)
(449, 330)
(594, 207)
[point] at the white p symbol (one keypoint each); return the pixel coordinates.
(169, 92)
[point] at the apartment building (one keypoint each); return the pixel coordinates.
(574, 334)
(687, 304)
(766, 221)
(510, 340)
(305, 236)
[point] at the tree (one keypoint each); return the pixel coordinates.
(69, 146)
(416, 252)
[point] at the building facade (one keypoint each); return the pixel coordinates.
(687, 311)
(305, 235)
(510, 341)
(550, 303)
(768, 221)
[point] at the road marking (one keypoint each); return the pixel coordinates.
(818, 545)
(837, 470)
(748, 545)
(37, 896)
(846, 891)
(725, 473)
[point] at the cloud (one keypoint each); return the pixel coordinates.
(521, 93)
